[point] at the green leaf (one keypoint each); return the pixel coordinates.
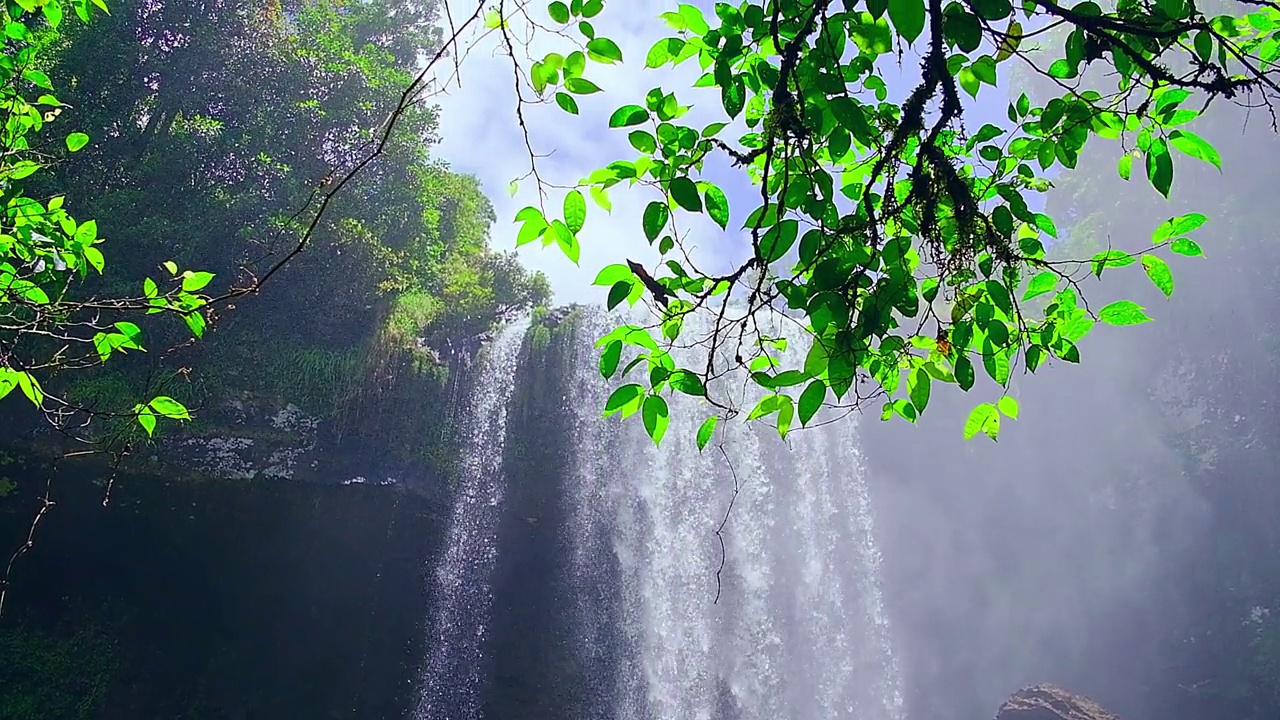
(75, 140)
(8, 381)
(706, 430)
(1184, 246)
(1045, 223)
(918, 387)
(575, 210)
(619, 292)
(532, 229)
(663, 52)
(567, 103)
(995, 360)
(94, 256)
(559, 12)
(1123, 312)
(1110, 258)
(622, 397)
(22, 169)
(1040, 284)
(29, 386)
(734, 97)
(1175, 226)
(610, 358)
(981, 419)
(965, 374)
(147, 419)
(193, 281)
(786, 411)
(908, 18)
(1160, 166)
(1009, 45)
(1125, 167)
(170, 408)
(38, 78)
(693, 19)
(642, 141)
(1158, 270)
(778, 240)
(53, 13)
(628, 115)
(575, 63)
(811, 400)
(655, 219)
(1203, 44)
(1195, 146)
(717, 206)
(1061, 69)
(655, 416)
(611, 274)
(688, 383)
(1008, 406)
(567, 241)
(581, 86)
(685, 192)
(604, 50)
(195, 323)
(601, 197)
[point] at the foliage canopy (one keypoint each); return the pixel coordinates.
(176, 152)
(905, 241)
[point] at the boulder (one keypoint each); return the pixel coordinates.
(1046, 702)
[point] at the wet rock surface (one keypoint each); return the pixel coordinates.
(1048, 702)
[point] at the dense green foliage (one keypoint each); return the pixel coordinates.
(904, 240)
(45, 252)
(183, 164)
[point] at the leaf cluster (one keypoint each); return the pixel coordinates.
(903, 241)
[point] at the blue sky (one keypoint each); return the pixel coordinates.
(481, 137)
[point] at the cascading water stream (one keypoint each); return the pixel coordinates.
(462, 580)
(799, 630)
(787, 621)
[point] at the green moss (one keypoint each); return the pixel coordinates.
(103, 388)
(411, 314)
(319, 380)
(539, 337)
(61, 674)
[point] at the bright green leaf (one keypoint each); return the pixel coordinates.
(575, 210)
(1158, 270)
(1123, 312)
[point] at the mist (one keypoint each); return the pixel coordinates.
(1086, 546)
(396, 496)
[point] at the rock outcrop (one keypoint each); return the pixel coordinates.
(1046, 702)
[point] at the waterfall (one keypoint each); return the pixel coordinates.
(736, 583)
(799, 629)
(461, 582)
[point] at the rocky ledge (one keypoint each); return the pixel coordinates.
(1047, 702)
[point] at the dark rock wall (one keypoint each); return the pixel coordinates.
(214, 599)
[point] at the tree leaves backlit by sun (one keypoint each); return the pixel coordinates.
(44, 252)
(899, 234)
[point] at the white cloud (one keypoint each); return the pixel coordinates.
(482, 137)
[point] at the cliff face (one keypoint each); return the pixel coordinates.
(263, 561)
(212, 598)
(268, 560)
